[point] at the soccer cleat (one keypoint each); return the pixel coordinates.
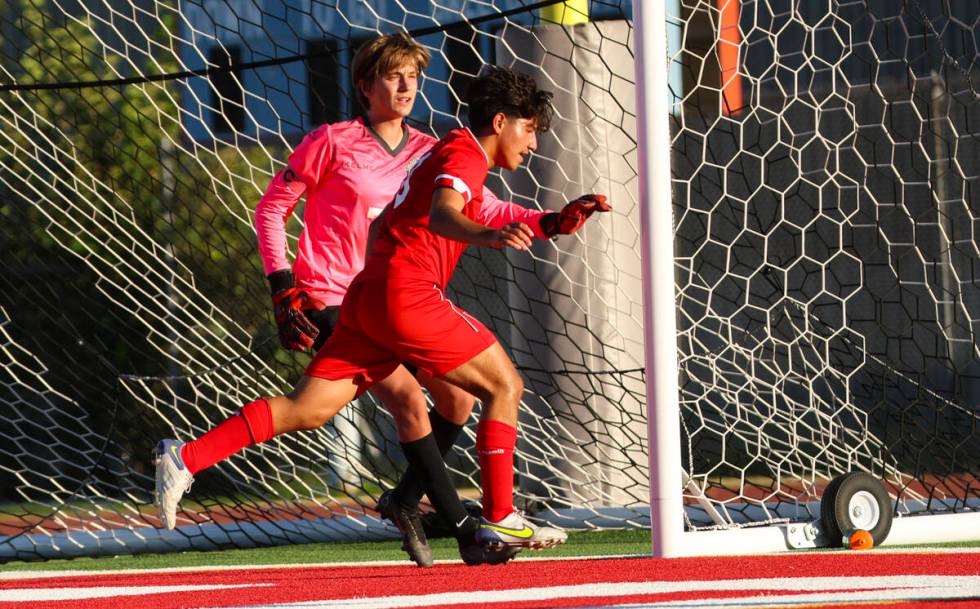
(516, 531)
(409, 523)
(173, 480)
(474, 554)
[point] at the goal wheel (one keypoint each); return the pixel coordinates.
(855, 501)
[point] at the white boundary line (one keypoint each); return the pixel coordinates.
(311, 565)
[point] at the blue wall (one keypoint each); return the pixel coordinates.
(277, 97)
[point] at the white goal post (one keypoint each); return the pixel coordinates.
(659, 298)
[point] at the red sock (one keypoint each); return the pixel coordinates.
(495, 443)
(251, 425)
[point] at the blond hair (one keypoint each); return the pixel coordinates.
(382, 55)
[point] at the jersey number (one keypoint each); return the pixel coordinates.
(403, 191)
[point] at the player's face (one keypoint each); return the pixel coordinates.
(391, 95)
(518, 137)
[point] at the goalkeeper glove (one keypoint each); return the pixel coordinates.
(296, 331)
(573, 215)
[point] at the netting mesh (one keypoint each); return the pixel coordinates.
(825, 204)
(826, 261)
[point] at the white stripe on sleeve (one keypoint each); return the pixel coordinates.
(457, 184)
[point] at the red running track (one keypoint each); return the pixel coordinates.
(871, 579)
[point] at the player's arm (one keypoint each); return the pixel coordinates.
(307, 164)
(447, 220)
(271, 214)
(296, 332)
(497, 213)
(546, 225)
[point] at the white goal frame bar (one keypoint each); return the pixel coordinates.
(659, 309)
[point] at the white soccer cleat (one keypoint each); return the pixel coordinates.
(516, 531)
(173, 480)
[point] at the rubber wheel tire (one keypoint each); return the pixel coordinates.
(827, 520)
(835, 503)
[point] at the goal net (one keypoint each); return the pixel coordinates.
(825, 167)
(825, 164)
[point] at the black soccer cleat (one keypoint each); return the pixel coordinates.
(474, 554)
(409, 523)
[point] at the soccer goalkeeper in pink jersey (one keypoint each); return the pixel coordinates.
(330, 166)
(349, 171)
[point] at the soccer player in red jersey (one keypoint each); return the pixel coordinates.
(396, 310)
(349, 171)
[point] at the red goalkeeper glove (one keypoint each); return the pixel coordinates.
(573, 215)
(296, 331)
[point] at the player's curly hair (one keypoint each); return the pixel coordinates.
(383, 54)
(500, 89)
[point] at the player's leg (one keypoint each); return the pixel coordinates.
(492, 378)
(451, 409)
(312, 403)
(444, 422)
(426, 437)
(402, 396)
(429, 331)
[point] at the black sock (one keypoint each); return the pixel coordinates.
(410, 490)
(423, 456)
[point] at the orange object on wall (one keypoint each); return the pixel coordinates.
(728, 41)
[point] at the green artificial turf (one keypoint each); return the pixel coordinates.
(592, 543)
(580, 543)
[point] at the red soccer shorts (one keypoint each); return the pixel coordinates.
(383, 323)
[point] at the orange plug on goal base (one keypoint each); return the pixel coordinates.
(860, 540)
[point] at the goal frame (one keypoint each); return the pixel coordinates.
(668, 535)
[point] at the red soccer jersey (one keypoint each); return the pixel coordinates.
(405, 248)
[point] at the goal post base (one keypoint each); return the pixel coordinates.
(934, 528)
(909, 530)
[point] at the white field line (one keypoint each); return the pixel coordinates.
(795, 591)
(34, 595)
(306, 565)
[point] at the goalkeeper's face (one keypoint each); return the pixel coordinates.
(516, 139)
(392, 95)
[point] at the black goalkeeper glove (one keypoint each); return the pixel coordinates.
(296, 331)
(573, 215)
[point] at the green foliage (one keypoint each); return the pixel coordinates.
(119, 154)
(111, 134)
(93, 178)
(84, 165)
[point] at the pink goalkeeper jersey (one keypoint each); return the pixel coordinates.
(349, 175)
